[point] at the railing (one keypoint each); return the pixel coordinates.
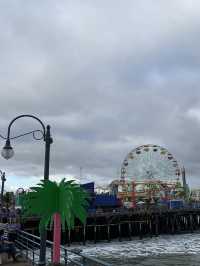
(29, 246)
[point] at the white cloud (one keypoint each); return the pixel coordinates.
(194, 114)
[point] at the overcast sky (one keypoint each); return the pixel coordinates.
(107, 76)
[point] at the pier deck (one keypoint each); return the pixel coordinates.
(126, 223)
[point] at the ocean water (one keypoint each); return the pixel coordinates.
(168, 250)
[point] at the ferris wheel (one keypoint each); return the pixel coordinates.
(150, 162)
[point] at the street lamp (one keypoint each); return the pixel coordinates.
(8, 152)
(3, 180)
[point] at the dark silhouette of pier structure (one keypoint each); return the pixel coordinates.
(125, 224)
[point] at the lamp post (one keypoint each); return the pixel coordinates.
(3, 180)
(8, 152)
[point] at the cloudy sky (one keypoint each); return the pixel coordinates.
(107, 76)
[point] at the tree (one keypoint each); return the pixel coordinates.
(8, 199)
(58, 204)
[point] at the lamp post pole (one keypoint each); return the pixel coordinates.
(43, 232)
(7, 153)
(3, 180)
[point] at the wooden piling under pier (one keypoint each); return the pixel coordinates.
(126, 224)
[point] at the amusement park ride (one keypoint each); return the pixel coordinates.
(150, 173)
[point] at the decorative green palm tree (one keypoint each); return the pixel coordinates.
(58, 204)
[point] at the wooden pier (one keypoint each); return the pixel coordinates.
(125, 224)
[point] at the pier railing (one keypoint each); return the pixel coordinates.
(29, 246)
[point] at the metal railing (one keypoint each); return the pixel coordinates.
(29, 246)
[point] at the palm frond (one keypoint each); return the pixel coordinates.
(66, 198)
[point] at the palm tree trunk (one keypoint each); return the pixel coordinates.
(56, 238)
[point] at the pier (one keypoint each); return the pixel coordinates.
(126, 224)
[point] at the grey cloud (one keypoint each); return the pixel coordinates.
(107, 76)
